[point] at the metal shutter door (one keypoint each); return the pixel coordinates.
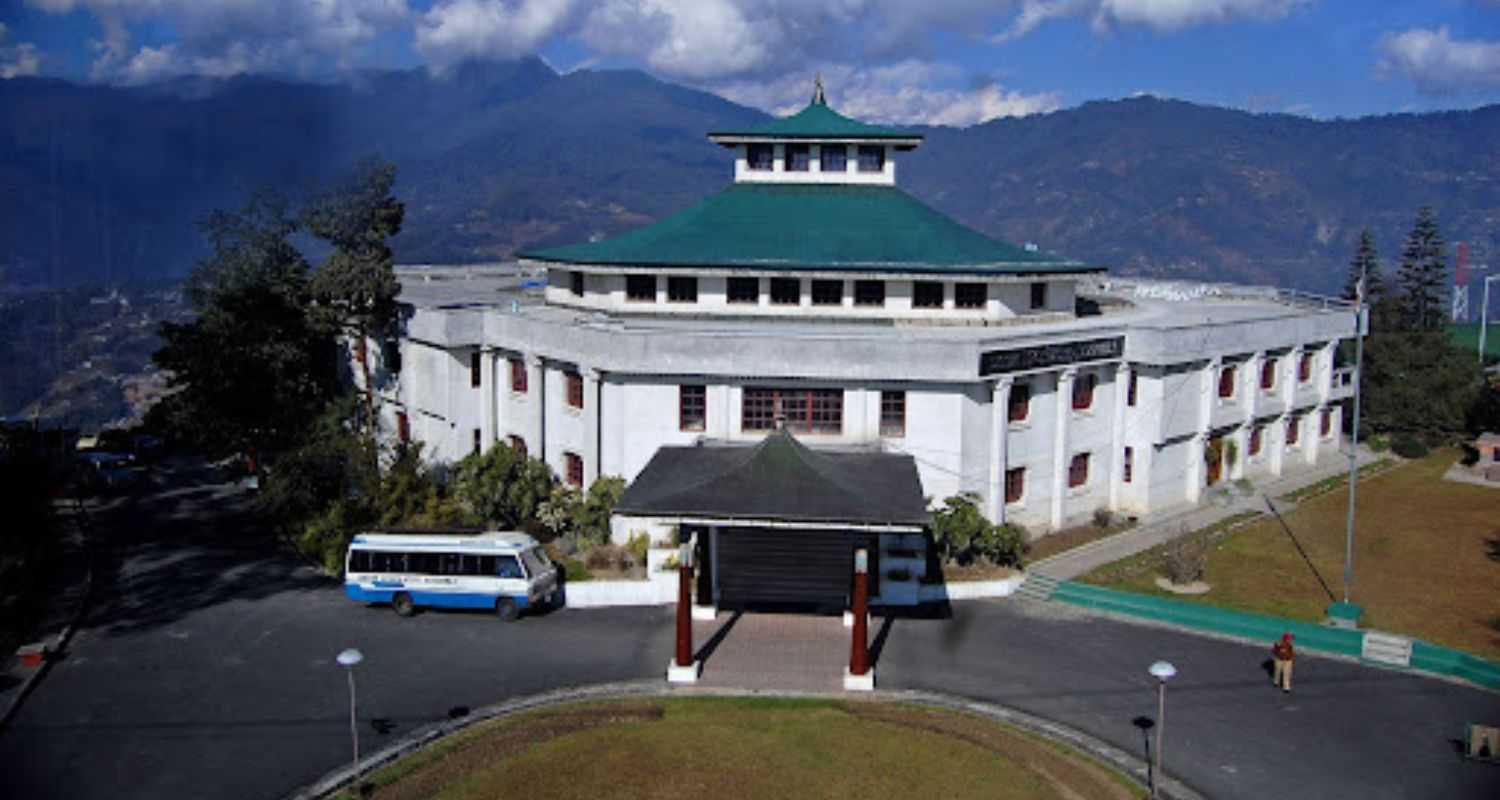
(760, 567)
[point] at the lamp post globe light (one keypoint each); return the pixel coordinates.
(348, 659)
(1163, 672)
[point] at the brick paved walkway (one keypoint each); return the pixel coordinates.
(789, 652)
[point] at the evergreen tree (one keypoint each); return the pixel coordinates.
(356, 287)
(1365, 261)
(1423, 276)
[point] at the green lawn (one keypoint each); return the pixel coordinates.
(733, 748)
(1467, 337)
(1426, 559)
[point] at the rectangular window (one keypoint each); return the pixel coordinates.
(1255, 434)
(805, 410)
(403, 428)
(744, 290)
(1130, 389)
(1128, 467)
(927, 294)
(1078, 470)
(893, 414)
(798, 157)
(1015, 484)
(640, 288)
(682, 290)
(518, 376)
(869, 293)
(692, 407)
(1226, 382)
(575, 283)
(786, 291)
(1083, 391)
(1268, 374)
(359, 561)
(827, 293)
(517, 444)
(1020, 403)
(970, 295)
(574, 464)
(1038, 295)
(1293, 429)
(871, 158)
(508, 567)
(760, 157)
(834, 158)
(1304, 368)
(575, 388)
(1325, 422)
(476, 371)
(478, 442)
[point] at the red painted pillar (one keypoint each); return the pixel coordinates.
(685, 607)
(859, 652)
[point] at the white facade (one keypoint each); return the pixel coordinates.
(472, 333)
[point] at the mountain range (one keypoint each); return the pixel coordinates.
(104, 184)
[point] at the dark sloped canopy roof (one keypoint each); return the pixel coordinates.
(778, 479)
(817, 121)
(803, 227)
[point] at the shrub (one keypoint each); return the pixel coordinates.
(1408, 446)
(1187, 555)
(638, 544)
(962, 534)
(1103, 518)
(1378, 443)
(607, 557)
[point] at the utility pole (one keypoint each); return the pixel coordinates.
(1484, 314)
(1361, 323)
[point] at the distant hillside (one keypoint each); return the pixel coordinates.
(103, 185)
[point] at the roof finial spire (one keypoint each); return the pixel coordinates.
(818, 99)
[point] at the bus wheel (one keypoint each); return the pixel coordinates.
(403, 604)
(505, 608)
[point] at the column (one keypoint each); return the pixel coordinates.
(591, 419)
(999, 439)
(1313, 430)
(1207, 392)
(1117, 436)
(536, 384)
(1060, 444)
(489, 388)
(1253, 367)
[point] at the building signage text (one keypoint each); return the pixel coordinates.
(994, 362)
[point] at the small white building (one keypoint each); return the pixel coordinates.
(813, 290)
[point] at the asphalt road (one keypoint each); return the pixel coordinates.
(206, 670)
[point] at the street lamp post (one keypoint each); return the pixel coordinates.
(1163, 672)
(1484, 314)
(348, 659)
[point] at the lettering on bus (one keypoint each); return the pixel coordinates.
(995, 362)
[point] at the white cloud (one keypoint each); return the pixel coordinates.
(227, 35)
(906, 92)
(1438, 63)
(1162, 15)
(19, 59)
(455, 30)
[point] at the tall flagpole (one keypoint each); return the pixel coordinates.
(1360, 323)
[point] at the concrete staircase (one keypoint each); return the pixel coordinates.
(1037, 587)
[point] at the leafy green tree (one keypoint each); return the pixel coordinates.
(1423, 275)
(502, 487)
(559, 512)
(963, 534)
(252, 369)
(356, 285)
(591, 517)
(1419, 383)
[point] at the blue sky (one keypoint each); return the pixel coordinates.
(939, 61)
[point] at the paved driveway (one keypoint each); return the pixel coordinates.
(206, 670)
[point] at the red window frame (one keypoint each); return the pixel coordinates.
(1268, 374)
(1226, 382)
(805, 410)
(1015, 484)
(1129, 465)
(403, 428)
(1325, 422)
(1255, 434)
(573, 465)
(1130, 389)
(1083, 391)
(517, 444)
(1020, 403)
(1304, 368)
(476, 370)
(518, 376)
(1078, 470)
(692, 407)
(1293, 429)
(893, 413)
(575, 388)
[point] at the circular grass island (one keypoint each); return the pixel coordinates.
(745, 748)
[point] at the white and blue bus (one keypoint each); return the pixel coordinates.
(503, 572)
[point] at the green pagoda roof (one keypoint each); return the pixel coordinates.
(801, 227)
(817, 121)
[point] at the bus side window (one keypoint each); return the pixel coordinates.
(422, 563)
(359, 561)
(486, 565)
(387, 562)
(508, 567)
(451, 564)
